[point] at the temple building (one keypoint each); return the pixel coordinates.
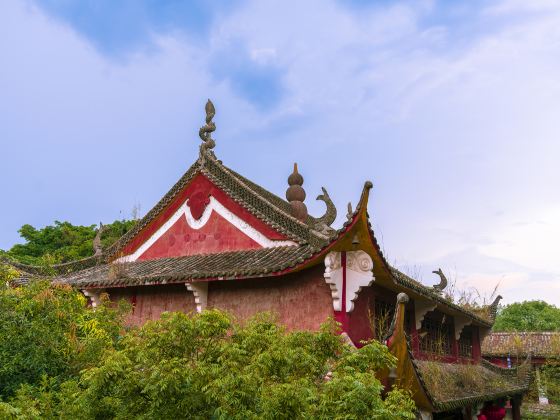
(219, 240)
(512, 348)
(509, 349)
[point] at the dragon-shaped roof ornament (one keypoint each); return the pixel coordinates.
(205, 132)
(324, 222)
(442, 283)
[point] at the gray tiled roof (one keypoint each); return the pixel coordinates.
(268, 207)
(409, 283)
(250, 263)
(538, 344)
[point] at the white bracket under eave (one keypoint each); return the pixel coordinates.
(359, 274)
(94, 296)
(421, 308)
(200, 292)
(460, 323)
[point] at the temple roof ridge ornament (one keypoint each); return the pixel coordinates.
(295, 194)
(493, 308)
(325, 221)
(350, 213)
(205, 132)
(439, 288)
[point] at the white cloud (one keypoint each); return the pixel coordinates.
(457, 130)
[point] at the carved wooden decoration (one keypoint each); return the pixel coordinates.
(200, 292)
(94, 296)
(460, 323)
(421, 308)
(359, 274)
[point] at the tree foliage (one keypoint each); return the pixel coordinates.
(206, 366)
(535, 315)
(550, 378)
(48, 331)
(63, 241)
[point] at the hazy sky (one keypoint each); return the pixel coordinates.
(452, 109)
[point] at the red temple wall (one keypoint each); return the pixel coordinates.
(302, 301)
(201, 185)
(217, 235)
(359, 320)
(150, 301)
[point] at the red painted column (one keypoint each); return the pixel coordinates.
(342, 316)
(476, 344)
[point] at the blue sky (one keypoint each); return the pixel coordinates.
(450, 108)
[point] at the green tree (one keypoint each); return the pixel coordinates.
(48, 331)
(207, 367)
(63, 242)
(7, 273)
(534, 315)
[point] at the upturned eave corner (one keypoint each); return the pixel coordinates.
(405, 371)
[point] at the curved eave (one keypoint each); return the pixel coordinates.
(407, 373)
(385, 274)
(343, 239)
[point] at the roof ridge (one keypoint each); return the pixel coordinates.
(300, 231)
(154, 211)
(47, 270)
(218, 173)
(271, 197)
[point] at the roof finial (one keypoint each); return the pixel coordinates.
(493, 308)
(295, 194)
(442, 283)
(350, 213)
(324, 222)
(205, 132)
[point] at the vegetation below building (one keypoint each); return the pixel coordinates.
(61, 359)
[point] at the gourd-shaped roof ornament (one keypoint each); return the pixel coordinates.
(295, 194)
(205, 132)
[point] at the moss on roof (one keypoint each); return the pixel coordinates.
(453, 385)
(521, 344)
